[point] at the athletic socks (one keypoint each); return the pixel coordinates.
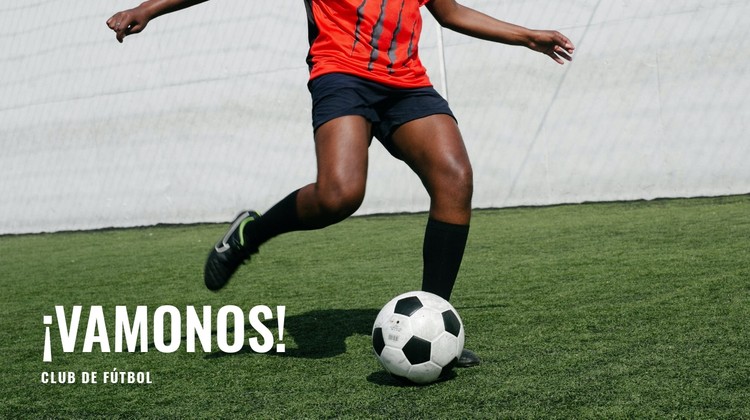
(443, 250)
(281, 218)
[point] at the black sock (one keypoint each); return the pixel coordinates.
(281, 218)
(443, 250)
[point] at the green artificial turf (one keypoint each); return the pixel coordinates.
(638, 309)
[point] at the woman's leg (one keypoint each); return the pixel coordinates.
(434, 149)
(432, 146)
(341, 148)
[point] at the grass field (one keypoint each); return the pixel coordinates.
(588, 311)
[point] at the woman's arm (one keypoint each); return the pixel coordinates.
(470, 22)
(134, 20)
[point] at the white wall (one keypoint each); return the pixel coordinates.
(207, 112)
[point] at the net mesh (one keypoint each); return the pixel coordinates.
(207, 111)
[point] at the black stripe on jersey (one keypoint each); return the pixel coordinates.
(392, 48)
(360, 18)
(312, 31)
(377, 32)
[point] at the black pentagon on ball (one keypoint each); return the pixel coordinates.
(408, 305)
(378, 343)
(417, 350)
(452, 324)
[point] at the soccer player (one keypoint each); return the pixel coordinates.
(366, 80)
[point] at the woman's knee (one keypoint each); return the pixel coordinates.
(464, 176)
(339, 200)
(455, 180)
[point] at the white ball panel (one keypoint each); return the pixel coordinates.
(424, 373)
(433, 301)
(397, 330)
(445, 348)
(427, 323)
(394, 361)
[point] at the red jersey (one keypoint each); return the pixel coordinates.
(373, 39)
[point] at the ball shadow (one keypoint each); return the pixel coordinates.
(319, 334)
(382, 378)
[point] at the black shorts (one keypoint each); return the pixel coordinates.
(387, 108)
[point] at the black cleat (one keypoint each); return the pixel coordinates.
(468, 359)
(229, 253)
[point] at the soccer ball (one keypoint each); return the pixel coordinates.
(418, 337)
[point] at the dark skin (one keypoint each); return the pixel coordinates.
(432, 146)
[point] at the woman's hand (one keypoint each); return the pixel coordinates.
(128, 22)
(553, 44)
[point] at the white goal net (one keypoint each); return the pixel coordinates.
(207, 111)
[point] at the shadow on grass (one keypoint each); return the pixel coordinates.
(322, 334)
(319, 334)
(383, 378)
